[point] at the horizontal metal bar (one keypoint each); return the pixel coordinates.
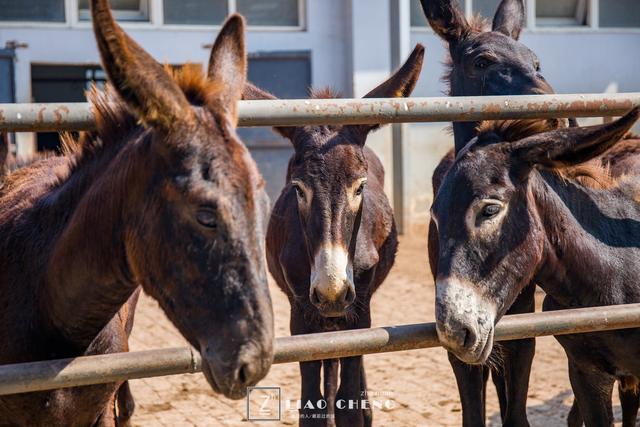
(79, 371)
(286, 112)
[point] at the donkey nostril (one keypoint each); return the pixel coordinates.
(469, 338)
(349, 296)
(315, 298)
(244, 374)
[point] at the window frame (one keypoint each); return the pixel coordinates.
(155, 14)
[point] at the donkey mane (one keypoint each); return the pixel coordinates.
(477, 24)
(592, 174)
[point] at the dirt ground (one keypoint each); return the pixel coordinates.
(416, 387)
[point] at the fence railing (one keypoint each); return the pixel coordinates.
(78, 116)
(79, 371)
(45, 375)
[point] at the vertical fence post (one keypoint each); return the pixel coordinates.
(400, 35)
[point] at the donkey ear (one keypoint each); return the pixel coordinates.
(509, 18)
(399, 85)
(228, 63)
(251, 92)
(572, 146)
(139, 80)
(446, 18)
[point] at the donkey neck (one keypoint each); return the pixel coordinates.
(463, 132)
(86, 279)
(591, 251)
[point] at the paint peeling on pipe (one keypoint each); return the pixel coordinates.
(78, 116)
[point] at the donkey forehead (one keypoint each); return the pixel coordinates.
(498, 44)
(331, 162)
(476, 174)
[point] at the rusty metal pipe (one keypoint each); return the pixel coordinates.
(79, 371)
(78, 116)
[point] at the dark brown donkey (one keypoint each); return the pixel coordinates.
(331, 242)
(174, 204)
(487, 59)
(506, 217)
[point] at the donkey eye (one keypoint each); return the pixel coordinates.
(207, 217)
(490, 210)
(482, 62)
(360, 189)
(299, 191)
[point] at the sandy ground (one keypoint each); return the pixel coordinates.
(417, 387)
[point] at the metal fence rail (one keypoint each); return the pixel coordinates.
(78, 116)
(36, 376)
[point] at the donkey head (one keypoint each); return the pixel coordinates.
(326, 182)
(487, 62)
(195, 242)
(491, 236)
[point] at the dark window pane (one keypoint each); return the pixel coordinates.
(561, 12)
(283, 13)
(620, 13)
(195, 12)
(486, 8)
(32, 10)
(6, 75)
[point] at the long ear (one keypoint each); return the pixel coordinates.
(446, 18)
(399, 85)
(509, 18)
(139, 80)
(252, 92)
(228, 63)
(572, 146)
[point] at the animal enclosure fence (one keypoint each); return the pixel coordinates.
(44, 375)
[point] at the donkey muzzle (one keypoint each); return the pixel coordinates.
(332, 289)
(464, 320)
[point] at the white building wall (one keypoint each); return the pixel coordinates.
(349, 41)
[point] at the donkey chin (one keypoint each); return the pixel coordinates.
(464, 320)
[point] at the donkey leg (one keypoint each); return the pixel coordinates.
(629, 401)
(348, 408)
(330, 388)
(574, 419)
(516, 367)
(310, 415)
(593, 390)
(366, 412)
(471, 381)
(125, 404)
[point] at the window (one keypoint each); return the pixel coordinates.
(280, 13)
(561, 13)
(123, 10)
(195, 12)
(32, 10)
(619, 13)
(263, 13)
(486, 8)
